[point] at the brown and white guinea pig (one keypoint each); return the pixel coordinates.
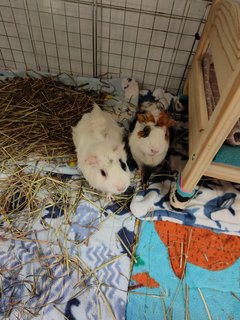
(149, 139)
(100, 152)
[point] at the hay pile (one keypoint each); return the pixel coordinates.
(36, 116)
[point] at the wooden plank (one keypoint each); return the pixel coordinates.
(222, 33)
(198, 117)
(227, 26)
(201, 105)
(224, 37)
(192, 115)
(223, 172)
(221, 122)
(221, 61)
(226, 43)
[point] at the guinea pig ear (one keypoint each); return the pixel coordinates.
(92, 161)
(145, 117)
(164, 120)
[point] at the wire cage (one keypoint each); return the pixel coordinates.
(152, 41)
(66, 251)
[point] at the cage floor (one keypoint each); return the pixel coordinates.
(68, 253)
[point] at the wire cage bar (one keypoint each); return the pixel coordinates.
(152, 41)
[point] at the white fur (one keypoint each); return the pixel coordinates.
(99, 125)
(98, 142)
(141, 147)
(130, 87)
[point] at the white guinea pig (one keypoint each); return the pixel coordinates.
(149, 140)
(100, 152)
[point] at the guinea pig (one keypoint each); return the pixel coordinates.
(100, 152)
(149, 140)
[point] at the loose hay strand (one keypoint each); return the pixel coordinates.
(93, 274)
(126, 248)
(183, 274)
(205, 304)
(164, 309)
(186, 297)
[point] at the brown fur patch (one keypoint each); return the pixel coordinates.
(165, 120)
(145, 132)
(145, 117)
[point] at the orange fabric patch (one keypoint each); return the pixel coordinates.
(145, 280)
(201, 247)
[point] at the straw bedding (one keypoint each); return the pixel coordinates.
(36, 116)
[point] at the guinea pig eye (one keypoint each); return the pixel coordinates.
(145, 132)
(123, 165)
(103, 173)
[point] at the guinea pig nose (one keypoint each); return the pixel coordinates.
(154, 151)
(120, 189)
